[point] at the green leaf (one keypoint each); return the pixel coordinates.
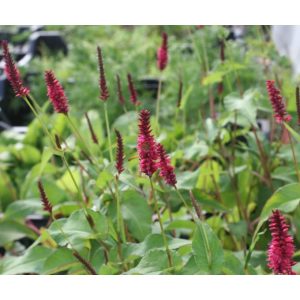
(60, 260)
(155, 242)
(8, 192)
(22, 208)
(11, 230)
(207, 249)
(245, 106)
(187, 180)
(77, 229)
(154, 262)
(66, 181)
(285, 198)
(31, 262)
(137, 214)
(232, 265)
(293, 132)
(104, 178)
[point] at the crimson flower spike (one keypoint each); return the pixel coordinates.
(281, 248)
(56, 93)
(164, 164)
(298, 103)
(162, 53)
(13, 73)
(119, 90)
(119, 153)
(280, 113)
(104, 94)
(46, 203)
(146, 145)
(132, 91)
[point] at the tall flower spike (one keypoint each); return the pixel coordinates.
(146, 145)
(56, 93)
(46, 203)
(280, 113)
(132, 91)
(104, 94)
(119, 153)
(13, 73)
(164, 164)
(281, 248)
(119, 90)
(298, 103)
(162, 53)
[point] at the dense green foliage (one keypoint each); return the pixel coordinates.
(236, 172)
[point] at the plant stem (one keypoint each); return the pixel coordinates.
(294, 156)
(79, 137)
(263, 159)
(184, 202)
(120, 221)
(40, 120)
(161, 225)
(157, 103)
(108, 131)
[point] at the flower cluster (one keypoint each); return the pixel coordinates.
(56, 93)
(104, 94)
(119, 153)
(162, 53)
(146, 145)
(152, 155)
(46, 203)
(281, 248)
(13, 73)
(164, 164)
(277, 102)
(133, 94)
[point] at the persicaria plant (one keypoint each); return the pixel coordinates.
(194, 170)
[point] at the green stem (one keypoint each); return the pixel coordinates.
(40, 120)
(108, 131)
(294, 156)
(158, 103)
(79, 137)
(120, 221)
(161, 225)
(184, 202)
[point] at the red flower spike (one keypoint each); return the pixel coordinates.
(146, 145)
(132, 91)
(56, 93)
(104, 94)
(162, 53)
(13, 73)
(119, 153)
(119, 90)
(46, 203)
(281, 248)
(164, 164)
(280, 113)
